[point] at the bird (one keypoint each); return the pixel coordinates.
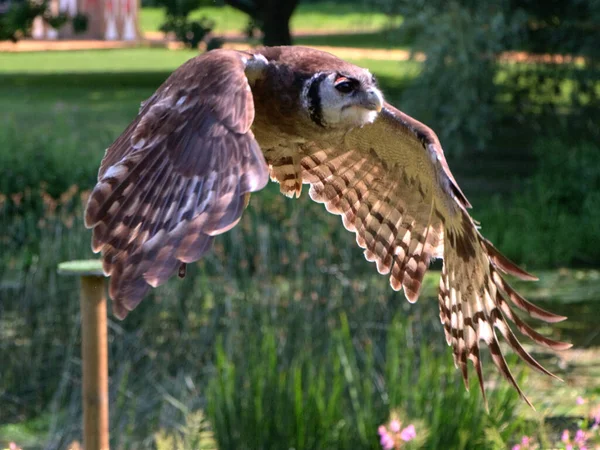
(227, 120)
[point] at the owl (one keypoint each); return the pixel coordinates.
(226, 121)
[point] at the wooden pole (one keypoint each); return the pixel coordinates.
(94, 352)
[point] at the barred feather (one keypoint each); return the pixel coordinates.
(473, 304)
(373, 206)
(392, 186)
(178, 176)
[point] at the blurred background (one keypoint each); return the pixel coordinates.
(284, 336)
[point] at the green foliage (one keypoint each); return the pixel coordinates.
(195, 434)
(561, 26)
(178, 22)
(334, 393)
(57, 21)
(80, 23)
(191, 33)
(17, 22)
(554, 221)
(555, 99)
(455, 92)
(458, 92)
(285, 362)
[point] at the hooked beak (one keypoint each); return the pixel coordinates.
(372, 100)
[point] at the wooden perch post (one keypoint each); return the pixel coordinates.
(94, 351)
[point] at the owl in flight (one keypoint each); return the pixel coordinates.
(225, 121)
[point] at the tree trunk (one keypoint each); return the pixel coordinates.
(275, 20)
(276, 32)
(273, 17)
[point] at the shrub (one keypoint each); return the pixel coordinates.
(459, 92)
(17, 22)
(554, 221)
(190, 32)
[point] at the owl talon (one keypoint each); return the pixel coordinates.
(182, 268)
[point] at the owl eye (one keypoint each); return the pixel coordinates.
(344, 85)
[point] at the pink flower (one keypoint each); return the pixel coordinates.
(565, 436)
(568, 447)
(409, 433)
(525, 440)
(395, 426)
(580, 400)
(516, 447)
(386, 441)
(580, 437)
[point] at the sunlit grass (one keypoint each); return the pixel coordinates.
(90, 61)
(314, 17)
(142, 60)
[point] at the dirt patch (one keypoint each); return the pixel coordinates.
(30, 45)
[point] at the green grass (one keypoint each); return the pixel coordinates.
(100, 62)
(94, 61)
(314, 17)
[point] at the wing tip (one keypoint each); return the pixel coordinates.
(504, 264)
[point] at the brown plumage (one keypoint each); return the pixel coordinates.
(182, 173)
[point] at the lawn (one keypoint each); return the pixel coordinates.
(150, 60)
(284, 328)
(326, 16)
(94, 61)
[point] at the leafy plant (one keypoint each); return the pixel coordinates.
(195, 434)
(262, 397)
(58, 21)
(469, 85)
(80, 23)
(560, 197)
(191, 33)
(18, 20)
(456, 93)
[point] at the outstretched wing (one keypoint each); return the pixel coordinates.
(176, 177)
(391, 184)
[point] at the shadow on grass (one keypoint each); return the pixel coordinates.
(382, 39)
(95, 80)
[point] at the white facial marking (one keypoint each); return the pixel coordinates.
(344, 110)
